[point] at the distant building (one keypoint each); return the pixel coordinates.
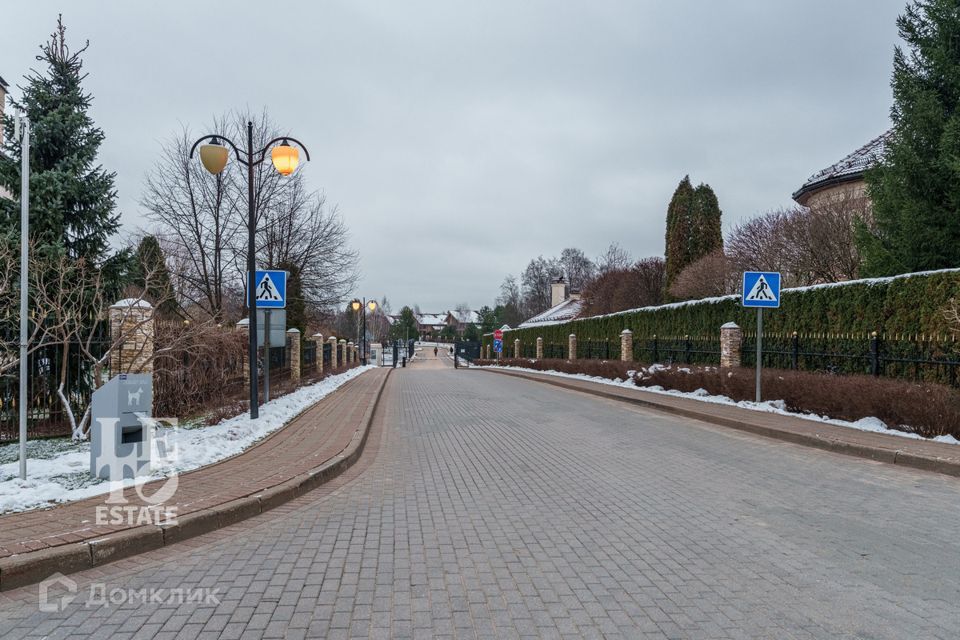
(845, 178)
(565, 305)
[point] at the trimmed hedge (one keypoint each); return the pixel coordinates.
(910, 304)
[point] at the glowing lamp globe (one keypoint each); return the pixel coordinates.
(355, 305)
(214, 157)
(285, 158)
(372, 305)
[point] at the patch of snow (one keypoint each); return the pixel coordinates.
(59, 472)
(131, 302)
(770, 406)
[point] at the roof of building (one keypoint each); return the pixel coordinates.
(566, 310)
(466, 317)
(432, 319)
(849, 169)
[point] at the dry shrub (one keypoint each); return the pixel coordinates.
(926, 409)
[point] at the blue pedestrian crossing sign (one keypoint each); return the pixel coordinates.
(498, 346)
(270, 291)
(761, 289)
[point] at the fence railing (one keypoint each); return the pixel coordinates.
(47, 366)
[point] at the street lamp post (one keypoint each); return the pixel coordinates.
(285, 159)
(23, 130)
(357, 305)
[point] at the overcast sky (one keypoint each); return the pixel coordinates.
(460, 139)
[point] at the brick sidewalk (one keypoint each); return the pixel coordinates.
(318, 435)
(919, 454)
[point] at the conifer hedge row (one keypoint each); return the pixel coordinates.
(910, 304)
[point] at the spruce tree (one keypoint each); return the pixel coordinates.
(72, 198)
(693, 226)
(915, 188)
(150, 273)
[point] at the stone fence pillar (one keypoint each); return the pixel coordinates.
(516, 348)
(333, 352)
(539, 348)
(244, 326)
(626, 345)
(342, 353)
(317, 339)
(489, 347)
(293, 335)
(350, 352)
(132, 331)
(731, 337)
(572, 347)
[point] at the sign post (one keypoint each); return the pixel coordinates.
(761, 289)
(498, 343)
(270, 293)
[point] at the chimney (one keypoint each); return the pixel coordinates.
(558, 291)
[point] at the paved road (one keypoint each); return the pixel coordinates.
(492, 507)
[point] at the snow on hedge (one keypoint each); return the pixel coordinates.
(59, 470)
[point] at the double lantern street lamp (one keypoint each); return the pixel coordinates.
(285, 159)
(357, 305)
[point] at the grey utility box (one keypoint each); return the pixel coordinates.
(120, 442)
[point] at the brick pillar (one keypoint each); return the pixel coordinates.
(572, 347)
(317, 339)
(342, 352)
(350, 352)
(516, 348)
(730, 338)
(539, 348)
(131, 328)
(293, 335)
(626, 345)
(333, 352)
(489, 349)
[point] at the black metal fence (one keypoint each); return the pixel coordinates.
(47, 367)
(917, 358)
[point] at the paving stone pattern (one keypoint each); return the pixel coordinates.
(493, 507)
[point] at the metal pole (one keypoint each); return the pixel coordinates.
(759, 348)
(266, 355)
(24, 239)
(363, 342)
(252, 278)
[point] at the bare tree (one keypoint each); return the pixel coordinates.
(615, 257)
(577, 267)
(714, 274)
(299, 229)
(614, 290)
(535, 284)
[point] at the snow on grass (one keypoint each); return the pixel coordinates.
(770, 406)
(58, 470)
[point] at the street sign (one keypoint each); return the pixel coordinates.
(761, 289)
(278, 327)
(498, 335)
(270, 290)
(497, 345)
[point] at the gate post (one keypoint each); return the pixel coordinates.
(131, 330)
(516, 349)
(488, 351)
(293, 335)
(539, 348)
(333, 352)
(731, 337)
(572, 347)
(317, 339)
(626, 345)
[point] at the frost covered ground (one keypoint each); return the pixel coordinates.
(771, 406)
(58, 469)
